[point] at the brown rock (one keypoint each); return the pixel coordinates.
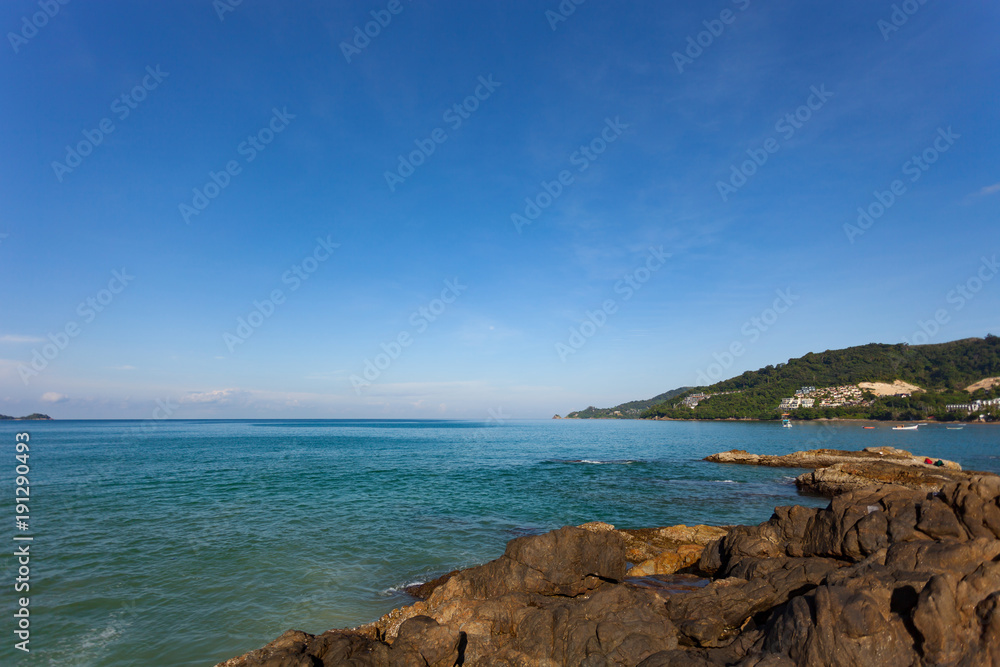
(850, 476)
(423, 642)
(669, 561)
(662, 550)
(822, 458)
(423, 591)
(881, 576)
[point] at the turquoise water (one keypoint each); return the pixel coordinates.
(185, 543)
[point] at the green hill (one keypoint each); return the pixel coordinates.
(942, 370)
(630, 410)
(33, 416)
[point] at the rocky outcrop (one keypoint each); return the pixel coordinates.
(882, 576)
(838, 471)
(867, 575)
(843, 477)
(552, 599)
(821, 458)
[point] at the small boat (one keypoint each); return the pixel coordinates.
(904, 428)
(867, 427)
(786, 423)
(954, 428)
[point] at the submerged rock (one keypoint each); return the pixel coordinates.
(882, 576)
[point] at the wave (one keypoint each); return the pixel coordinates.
(400, 589)
(598, 462)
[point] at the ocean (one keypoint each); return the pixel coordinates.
(189, 542)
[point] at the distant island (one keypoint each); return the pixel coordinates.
(32, 417)
(955, 381)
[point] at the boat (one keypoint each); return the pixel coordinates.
(787, 423)
(954, 428)
(905, 428)
(867, 427)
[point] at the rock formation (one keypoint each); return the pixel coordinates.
(882, 576)
(843, 477)
(821, 458)
(837, 471)
(662, 550)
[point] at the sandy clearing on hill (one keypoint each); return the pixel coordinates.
(988, 383)
(886, 389)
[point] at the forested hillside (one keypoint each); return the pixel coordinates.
(943, 370)
(630, 410)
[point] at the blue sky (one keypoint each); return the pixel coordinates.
(646, 267)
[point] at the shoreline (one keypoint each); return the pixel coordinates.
(820, 582)
(929, 422)
(716, 595)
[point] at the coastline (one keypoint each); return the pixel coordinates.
(389, 512)
(717, 595)
(808, 587)
(929, 421)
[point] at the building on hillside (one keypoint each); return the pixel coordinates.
(693, 400)
(974, 406)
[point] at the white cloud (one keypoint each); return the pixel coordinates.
(53, 397)
(217, 397)
(10, 338)
(990, 190)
